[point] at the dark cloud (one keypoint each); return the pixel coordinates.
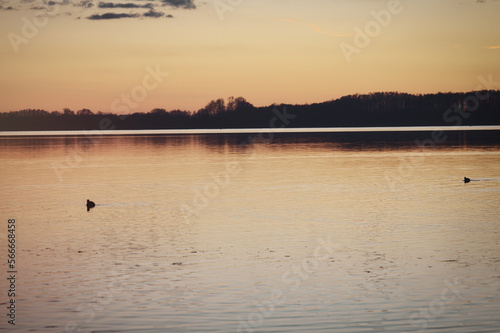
(63, 3)
(186, 4)
(111, 16)
(123, 5)
(155, 14)
(103, 10)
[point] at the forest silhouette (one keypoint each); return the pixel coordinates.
(374, 109)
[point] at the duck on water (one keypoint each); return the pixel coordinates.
(466, 180)
(90, 204)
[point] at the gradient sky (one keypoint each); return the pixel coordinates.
(89, 54)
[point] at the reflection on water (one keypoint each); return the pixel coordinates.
(255, 233)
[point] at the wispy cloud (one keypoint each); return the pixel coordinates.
(102, 10)
(494, 47)
(186, 4)
(155, 14)
(111, 16)
(315, 28)
(123, 5)
(84, 4)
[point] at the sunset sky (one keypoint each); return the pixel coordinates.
(95, 54)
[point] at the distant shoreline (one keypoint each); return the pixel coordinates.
(247, 131)
(385, 111)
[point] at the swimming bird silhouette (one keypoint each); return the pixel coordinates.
(90, 204)
(466, 180)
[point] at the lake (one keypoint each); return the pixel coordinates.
(253, 232)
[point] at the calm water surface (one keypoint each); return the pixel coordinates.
(290, 233)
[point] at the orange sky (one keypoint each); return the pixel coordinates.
(57, 56)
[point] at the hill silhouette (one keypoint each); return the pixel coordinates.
(375, 109)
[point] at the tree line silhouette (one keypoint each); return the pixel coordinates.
(374, 109)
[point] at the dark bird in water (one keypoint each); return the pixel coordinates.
(466, 180)
(90, 204)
